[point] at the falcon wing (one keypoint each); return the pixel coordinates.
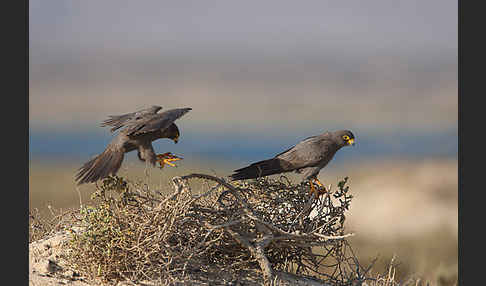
(293, 146)
(154, 122)
(307, 153)
(119, 121)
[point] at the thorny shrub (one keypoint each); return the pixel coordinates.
(208, 225)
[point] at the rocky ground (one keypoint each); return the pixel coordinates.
(46, 263)
(48, 267)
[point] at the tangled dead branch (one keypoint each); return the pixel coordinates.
(210, 227)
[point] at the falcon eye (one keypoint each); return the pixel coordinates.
(346, 137)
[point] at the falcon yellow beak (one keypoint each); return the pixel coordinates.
(351, 141)
(176, 140)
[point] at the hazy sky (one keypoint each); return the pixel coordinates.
(245, 28)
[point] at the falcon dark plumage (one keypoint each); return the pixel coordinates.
(309, 156)
(138, 130)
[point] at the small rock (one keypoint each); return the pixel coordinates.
(71, 274)
(52, 266)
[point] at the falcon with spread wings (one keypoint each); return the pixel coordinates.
(309, 156)
(137, 131)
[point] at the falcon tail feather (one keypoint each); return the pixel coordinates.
(103, 165)
(259, 169)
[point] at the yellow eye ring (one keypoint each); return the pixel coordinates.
(346, 137)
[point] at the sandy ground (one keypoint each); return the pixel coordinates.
(404, 200)
(407, 209)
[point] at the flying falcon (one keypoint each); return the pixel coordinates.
(309, 156)
(137, 131)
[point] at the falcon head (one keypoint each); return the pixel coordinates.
(173, 133)
(344, 138)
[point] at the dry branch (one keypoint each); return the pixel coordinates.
(265, 225)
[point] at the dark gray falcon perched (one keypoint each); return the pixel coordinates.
(138, 130)
(309, 156)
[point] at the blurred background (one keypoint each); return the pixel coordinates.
(260, 76)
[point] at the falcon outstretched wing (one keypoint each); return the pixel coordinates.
(154, 122)
(119, 121)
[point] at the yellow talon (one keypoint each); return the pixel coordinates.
(167, 158)
(169, 163)
(313, 189)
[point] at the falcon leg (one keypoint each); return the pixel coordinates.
(323, 191)
(167, 158)
(146, 169)
(313, 189)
